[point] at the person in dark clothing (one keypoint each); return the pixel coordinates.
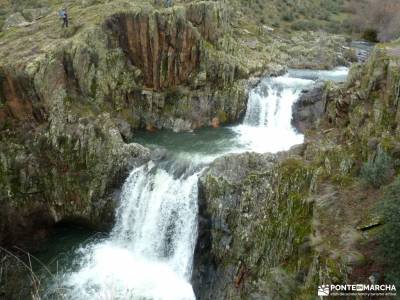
(64, 16)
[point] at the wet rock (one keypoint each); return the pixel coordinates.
(215, 122)
(125, 129)
(309, 109)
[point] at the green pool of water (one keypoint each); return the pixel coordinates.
(204, 142)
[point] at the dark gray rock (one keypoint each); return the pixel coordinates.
(250, 206)
(309, 108)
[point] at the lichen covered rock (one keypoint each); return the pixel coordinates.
(255, 219)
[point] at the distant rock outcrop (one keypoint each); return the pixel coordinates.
(15, 20)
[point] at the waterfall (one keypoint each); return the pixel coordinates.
(157, 218)
(267, 124)
(149, 253)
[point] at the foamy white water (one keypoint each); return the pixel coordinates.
(149, 253)
(267, 123)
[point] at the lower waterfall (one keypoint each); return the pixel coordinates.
(149, 253)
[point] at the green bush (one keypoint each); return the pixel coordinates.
(304, 25)
(377, 171)
(288, 16)
(389, 238)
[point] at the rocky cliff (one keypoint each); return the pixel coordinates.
(277, 226)
(65, 115)
(255, 228)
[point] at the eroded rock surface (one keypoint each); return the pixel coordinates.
(309, 108)
(253, 219)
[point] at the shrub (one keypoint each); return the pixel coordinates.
(288, 16)
(389, 238)
(304, 25)
(377, 171)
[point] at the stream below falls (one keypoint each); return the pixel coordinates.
(149, 252)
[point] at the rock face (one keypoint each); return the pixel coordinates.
(67, 174)
(166, 48)
(309, 109)
(254, 219)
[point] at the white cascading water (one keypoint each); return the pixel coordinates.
(267, 123)
(149, 253)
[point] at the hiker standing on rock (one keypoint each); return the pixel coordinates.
(64, 16)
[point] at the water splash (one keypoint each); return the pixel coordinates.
(149, 254)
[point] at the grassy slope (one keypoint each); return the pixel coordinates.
(46, 33)
(248, 18)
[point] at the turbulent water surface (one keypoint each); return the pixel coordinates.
(149, 253)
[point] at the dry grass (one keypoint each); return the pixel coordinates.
(339, 211)
(23, 44)
(22, 271)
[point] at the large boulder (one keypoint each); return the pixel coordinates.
(309, 108)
